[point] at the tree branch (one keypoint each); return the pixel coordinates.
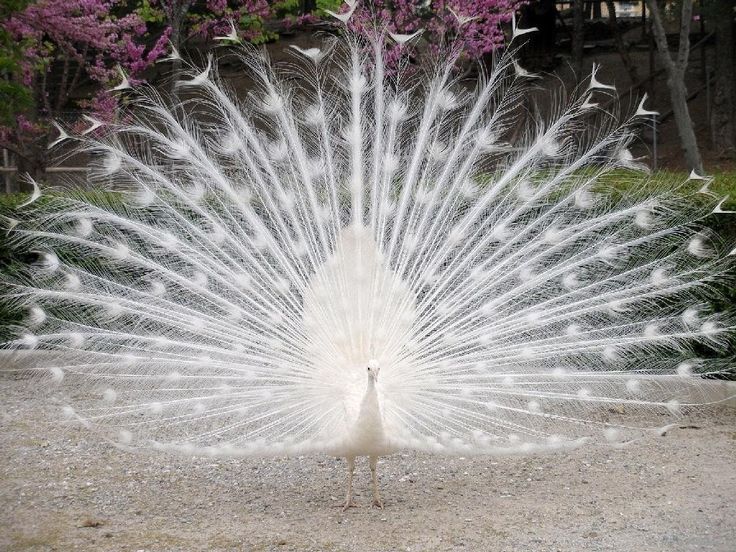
(620, 45)
(77, 73)
(63, 83)
(43, 91)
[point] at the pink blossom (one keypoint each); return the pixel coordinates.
(69, 43)
(84, 31)
(479, 36)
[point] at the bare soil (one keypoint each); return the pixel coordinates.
(63, 490)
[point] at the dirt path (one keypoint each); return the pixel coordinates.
(63, 491)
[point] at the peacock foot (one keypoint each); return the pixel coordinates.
(349, 504)
(377, 503)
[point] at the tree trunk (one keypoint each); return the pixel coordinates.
(578, 37)
(676, 78)
(177, 15)
(597, 9)
(723, 113)
(30, 151)
(620, 46)
(685, 129)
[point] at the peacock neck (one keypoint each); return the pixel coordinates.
(370, 410)
(371, 395)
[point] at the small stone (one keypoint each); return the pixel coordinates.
(90, 522)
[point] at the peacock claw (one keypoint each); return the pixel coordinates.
(349, 504)
(377, 503)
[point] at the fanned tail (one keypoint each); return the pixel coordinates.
(256, 252)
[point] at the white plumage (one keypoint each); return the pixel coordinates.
(271, 253)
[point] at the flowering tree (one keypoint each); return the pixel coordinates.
(69, 44)
(185, 19)
(14, 97)
(208, 18)
(472, 25)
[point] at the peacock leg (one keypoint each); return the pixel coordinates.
(377, 502)
(349, 503)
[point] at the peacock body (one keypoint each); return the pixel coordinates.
(272, 252)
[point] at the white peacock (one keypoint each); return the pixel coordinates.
(272, 253)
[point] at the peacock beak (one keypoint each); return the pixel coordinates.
(373, 369)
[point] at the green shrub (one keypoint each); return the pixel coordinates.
(12, 261)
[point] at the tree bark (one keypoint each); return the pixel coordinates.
(578, 37)
(723, 113)
(676, 78)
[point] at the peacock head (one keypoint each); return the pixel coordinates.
(373, 369)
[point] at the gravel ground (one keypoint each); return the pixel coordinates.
(62, 490)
